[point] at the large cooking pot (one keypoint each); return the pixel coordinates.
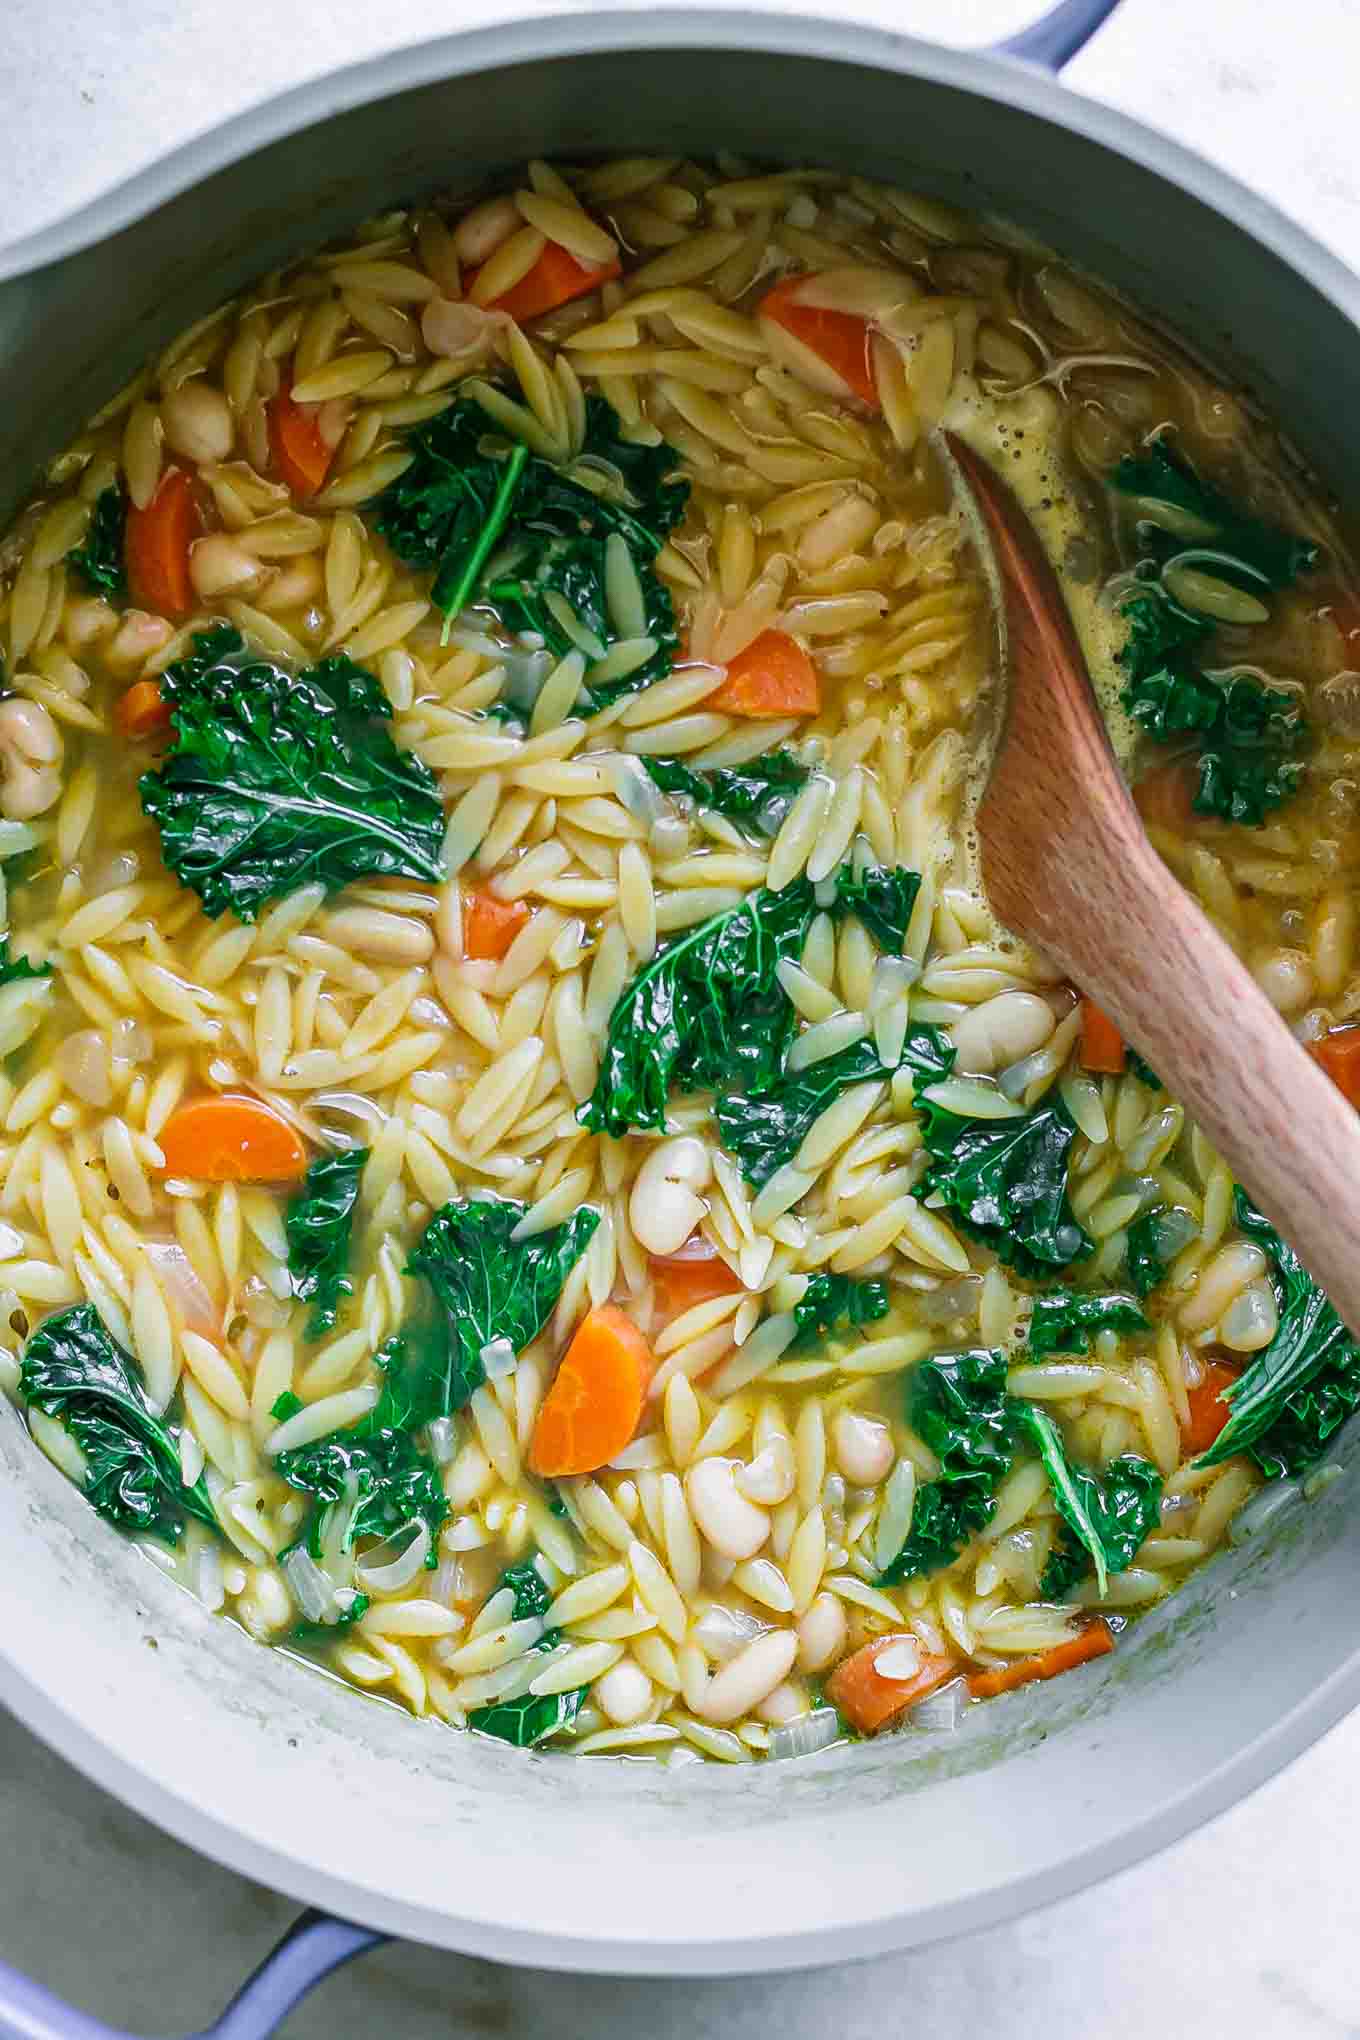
(402, 1826)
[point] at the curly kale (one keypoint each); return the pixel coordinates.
(1005, 1182)
(757, 795)
(98, 559)
(318, 1226)
(276, 780)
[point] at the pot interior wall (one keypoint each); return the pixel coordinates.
(343, 1799)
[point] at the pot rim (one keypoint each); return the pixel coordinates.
(488, 49)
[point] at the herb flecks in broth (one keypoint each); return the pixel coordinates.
(279, 780)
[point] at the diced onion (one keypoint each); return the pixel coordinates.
(940, 1712)
(806, 1733)
(443, 1437)
(467, 1534)
(208, 1583)
(313, 1592)
(184, 1287)
(721, 1632)
(393, 1572)
(498, 1359)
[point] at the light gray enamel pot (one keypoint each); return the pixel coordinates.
(347, 1803)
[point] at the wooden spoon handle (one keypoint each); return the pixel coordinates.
(1068, 864)
(1178, 992)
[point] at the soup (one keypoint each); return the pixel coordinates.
(531, 1175)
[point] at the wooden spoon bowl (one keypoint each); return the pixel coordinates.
(1067, 865)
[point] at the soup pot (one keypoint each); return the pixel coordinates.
(347, 1803)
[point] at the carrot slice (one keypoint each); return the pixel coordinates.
(143, 712)
(490, 924)
(1102, 1045)
(694, 1273)
(1165, 796)
(1208, 1413)
(772, 678)
(1093, 1642)
(157, 546)
(301, 455)
(868, 1698)
(592, 1409)
(555, 279)
(840, 339)
(231, 1139)
(1339, 1054)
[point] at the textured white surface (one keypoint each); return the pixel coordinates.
(1247, 1928)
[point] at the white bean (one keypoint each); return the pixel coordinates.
(752, 1675)
(821, 1634)
(1002, 1030)
(863, 1447)
(198, 422)
(664, 1206)
(219, 566)
(1286, 978)
(734, 1527)
(30, 750)
(480, 232)
(624, 1693)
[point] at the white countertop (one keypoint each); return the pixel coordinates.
(1248, 1928)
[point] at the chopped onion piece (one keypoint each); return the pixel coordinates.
(313, 1592)
(636, 788)
(941, 1711)
(208, 1584)
(443, 1436)
(806, 1734)
(498, 1359)
(184, 1288)
(1263, 1508)
(366, 1114)
(721, 1632)
(396, 1567)
(467, 1534)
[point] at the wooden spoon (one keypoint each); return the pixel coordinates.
(1067, 865)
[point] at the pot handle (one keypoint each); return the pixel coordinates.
(1056, 37)
(313, 1946)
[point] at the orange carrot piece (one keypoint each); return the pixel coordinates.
(694, 1273)
(1093, 1642)
(595, 1403)
(301, 455)
(1102, 1045)
(157, 546)
(231, 1139)
(1208, 1413)
(555, 279)
(772, 678)
(1339, 1054)
(869, 1698)
(1165, 796)
(143, 712)
(840, 339)
(490, 924)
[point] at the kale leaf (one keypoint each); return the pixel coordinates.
(98, 559)
(1293, 1396)
(393, 1481)
(757, 794)
(763, 1130)
(313, 1634)
(527, 1720)
(1066, 1320)
(832, 1300)
(1246, 549)
(960, 1409)
(707, 1014)
(1005, 1181)
(74, 1371)
(510, 529)
(275, 780)
(1108, 1515)
(13, 968)
(882, 897)
(1147, 1264)
(487, 1286)
(318, 1225)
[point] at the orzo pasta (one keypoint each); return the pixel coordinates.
(528, 1171)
